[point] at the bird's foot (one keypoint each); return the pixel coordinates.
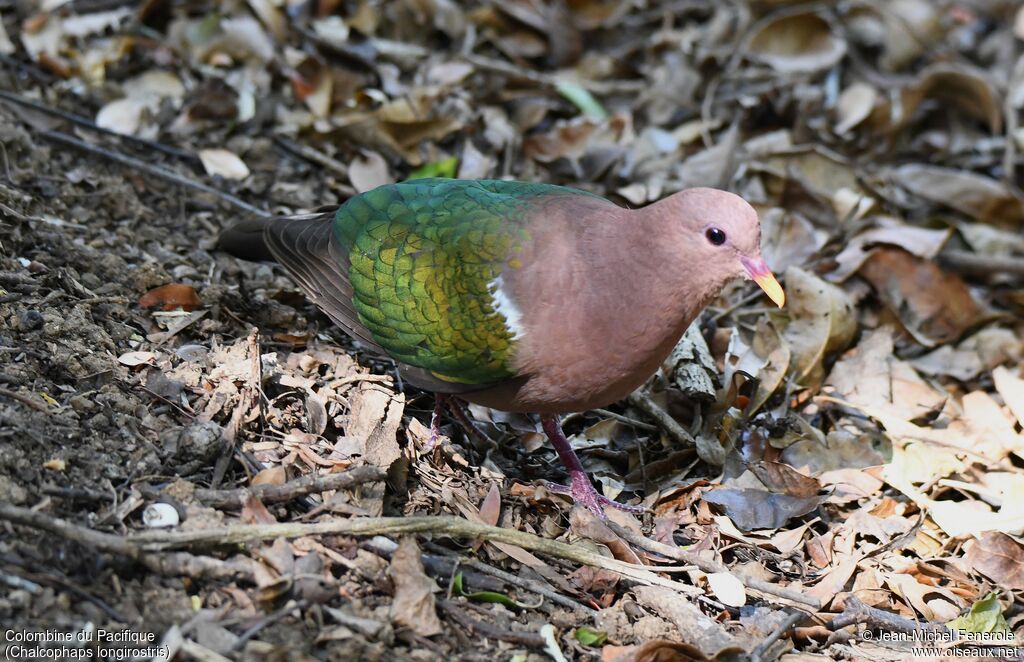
(584, 494)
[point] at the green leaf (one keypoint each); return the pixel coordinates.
(443, 168)
(582, 99)
(487, 596)
(985, 616)
(590, 637)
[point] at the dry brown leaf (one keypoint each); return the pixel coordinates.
(171, 297)
(275, 475)
(997, 556)
(490, 508)
(933, 305)
(797, 43)
(784, 479)
(413, 605)
(948, 85)
(758, 509)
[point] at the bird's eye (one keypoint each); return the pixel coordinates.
(716, 236)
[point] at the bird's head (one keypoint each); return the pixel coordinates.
(722, 232)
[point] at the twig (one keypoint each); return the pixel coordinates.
(488, 631)
(707, 565)
(23, 399)
(317, 157)
(156, 171)
(266, 621)
(89, 124)
(137, 545)
(785, 626)
(300, 487)
(639, 425)
(644, 403)
(975, 263)
(855, 611)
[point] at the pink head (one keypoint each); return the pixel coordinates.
(722, 231)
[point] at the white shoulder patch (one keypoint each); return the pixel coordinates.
(506, 307)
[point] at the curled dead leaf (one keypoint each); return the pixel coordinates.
(795, 43)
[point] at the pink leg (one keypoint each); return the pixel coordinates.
(580, 489)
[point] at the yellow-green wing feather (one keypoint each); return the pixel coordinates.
(424, 256)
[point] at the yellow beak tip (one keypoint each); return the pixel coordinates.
(772, 288)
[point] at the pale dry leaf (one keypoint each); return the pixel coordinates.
(921, 242)
(870, 375)
(1011, 388)
(413, 605)
(224, 163)
(133, 359)
(977, 196)
(854, 106)
(934, 603)
(123, 116)
(693, 626)
(822, 321)
(368, 172)
(727, 588)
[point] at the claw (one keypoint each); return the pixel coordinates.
(581, 490)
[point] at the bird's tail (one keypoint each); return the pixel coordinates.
(246, 240)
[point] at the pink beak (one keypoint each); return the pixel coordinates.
(762, 275)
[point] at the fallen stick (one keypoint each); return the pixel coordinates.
(137, 546)
(156, 171)
(293, 489)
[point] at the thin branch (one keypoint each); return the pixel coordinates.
(300, 487)
(137, 545)
(645, 404)
(87, 123)
(976, 263)
(154, 170)
(855, 612)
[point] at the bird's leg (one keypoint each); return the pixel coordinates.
(581, 490)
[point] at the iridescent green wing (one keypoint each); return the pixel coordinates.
(424, 256)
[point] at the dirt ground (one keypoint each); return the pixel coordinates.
(849, 466)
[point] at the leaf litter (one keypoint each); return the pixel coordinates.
(862, 447)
